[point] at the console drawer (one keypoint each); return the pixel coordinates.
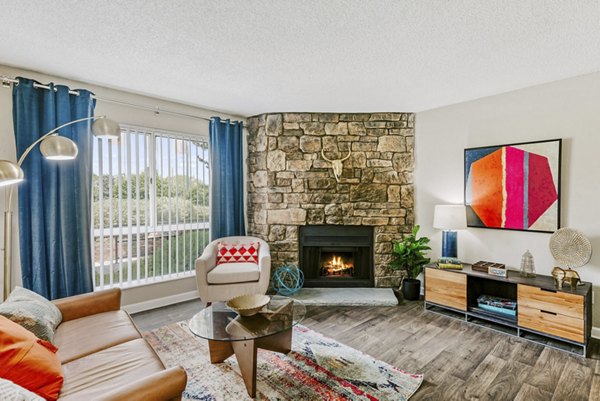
(551, 323)
(446, 288)
(558, 302)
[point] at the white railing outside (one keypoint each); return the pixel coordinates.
(149, 206)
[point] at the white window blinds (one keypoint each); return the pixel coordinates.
(149, 206)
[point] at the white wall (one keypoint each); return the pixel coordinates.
(568, 109)
(122, 114)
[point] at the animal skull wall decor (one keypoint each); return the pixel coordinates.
(336, 165)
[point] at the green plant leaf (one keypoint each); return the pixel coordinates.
(409, 253)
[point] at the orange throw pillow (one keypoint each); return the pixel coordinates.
(28, 361)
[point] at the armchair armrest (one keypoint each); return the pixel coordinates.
(92, 303)
(264, 258)
(161, 386)
(208, 260)
(264, 266)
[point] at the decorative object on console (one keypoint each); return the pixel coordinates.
(288, 279)
(527, 265)
(514, 187)
(449, 218)
(53, 147)
(336, 165)
(559, 276)
(484, 267)
(570, 249)
(569, 277)
(497, 271)
(248, 305)
(449, 263)
(572, 278)
(409, 255)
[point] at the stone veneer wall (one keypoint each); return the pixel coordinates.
(291, 185)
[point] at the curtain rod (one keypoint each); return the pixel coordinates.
(7, 81)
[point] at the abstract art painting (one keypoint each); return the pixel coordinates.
(514, 187)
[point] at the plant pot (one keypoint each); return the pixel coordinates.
(411, 289)
(398, 295)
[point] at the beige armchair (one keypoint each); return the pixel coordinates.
(229, 280)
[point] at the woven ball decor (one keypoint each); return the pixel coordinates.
(570, 248)
(288, 279)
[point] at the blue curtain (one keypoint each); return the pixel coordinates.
(54, 200)
(226, 178)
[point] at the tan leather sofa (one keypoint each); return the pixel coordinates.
(104, 356)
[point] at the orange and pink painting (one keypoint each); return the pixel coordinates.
(514, 187)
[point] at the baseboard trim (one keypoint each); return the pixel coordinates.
(160, 302)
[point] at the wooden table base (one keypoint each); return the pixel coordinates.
(245, 352)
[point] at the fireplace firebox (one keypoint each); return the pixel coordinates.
(337, 256)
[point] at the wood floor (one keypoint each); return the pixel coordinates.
(460, 361)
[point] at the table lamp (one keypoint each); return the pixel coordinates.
(449, 218)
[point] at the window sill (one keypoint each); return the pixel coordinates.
(148, 282)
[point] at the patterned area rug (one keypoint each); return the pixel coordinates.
(318, 368)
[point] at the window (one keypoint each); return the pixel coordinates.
(150, 216)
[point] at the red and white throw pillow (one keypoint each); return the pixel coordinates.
(237, 253)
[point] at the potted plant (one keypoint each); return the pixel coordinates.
(409, 256)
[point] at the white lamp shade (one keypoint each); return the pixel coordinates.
(106, 128)
(10, 173)
(58, 148)
(450, 217)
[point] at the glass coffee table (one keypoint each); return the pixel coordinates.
(229, 333)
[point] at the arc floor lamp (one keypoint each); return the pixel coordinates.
(53, 147)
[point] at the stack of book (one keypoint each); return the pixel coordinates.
(449, 263)
(499, 305)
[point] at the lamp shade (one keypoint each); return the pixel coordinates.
(106, 128)
(450, 217)
(58, 148)
(10, 173)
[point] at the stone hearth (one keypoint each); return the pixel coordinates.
(291, 185)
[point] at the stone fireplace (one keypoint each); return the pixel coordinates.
(336, 255)
(292, 187)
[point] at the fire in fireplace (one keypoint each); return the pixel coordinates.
(337, 256)
(337, 264)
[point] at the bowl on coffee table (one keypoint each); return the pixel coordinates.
(248, 305)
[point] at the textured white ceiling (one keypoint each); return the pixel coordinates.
(255, 56)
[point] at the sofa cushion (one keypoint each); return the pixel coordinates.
(80, 337)
(91, 376)
(29, 361)
(10, 391)
(237, 253)
(33, 312)
(229, 273)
